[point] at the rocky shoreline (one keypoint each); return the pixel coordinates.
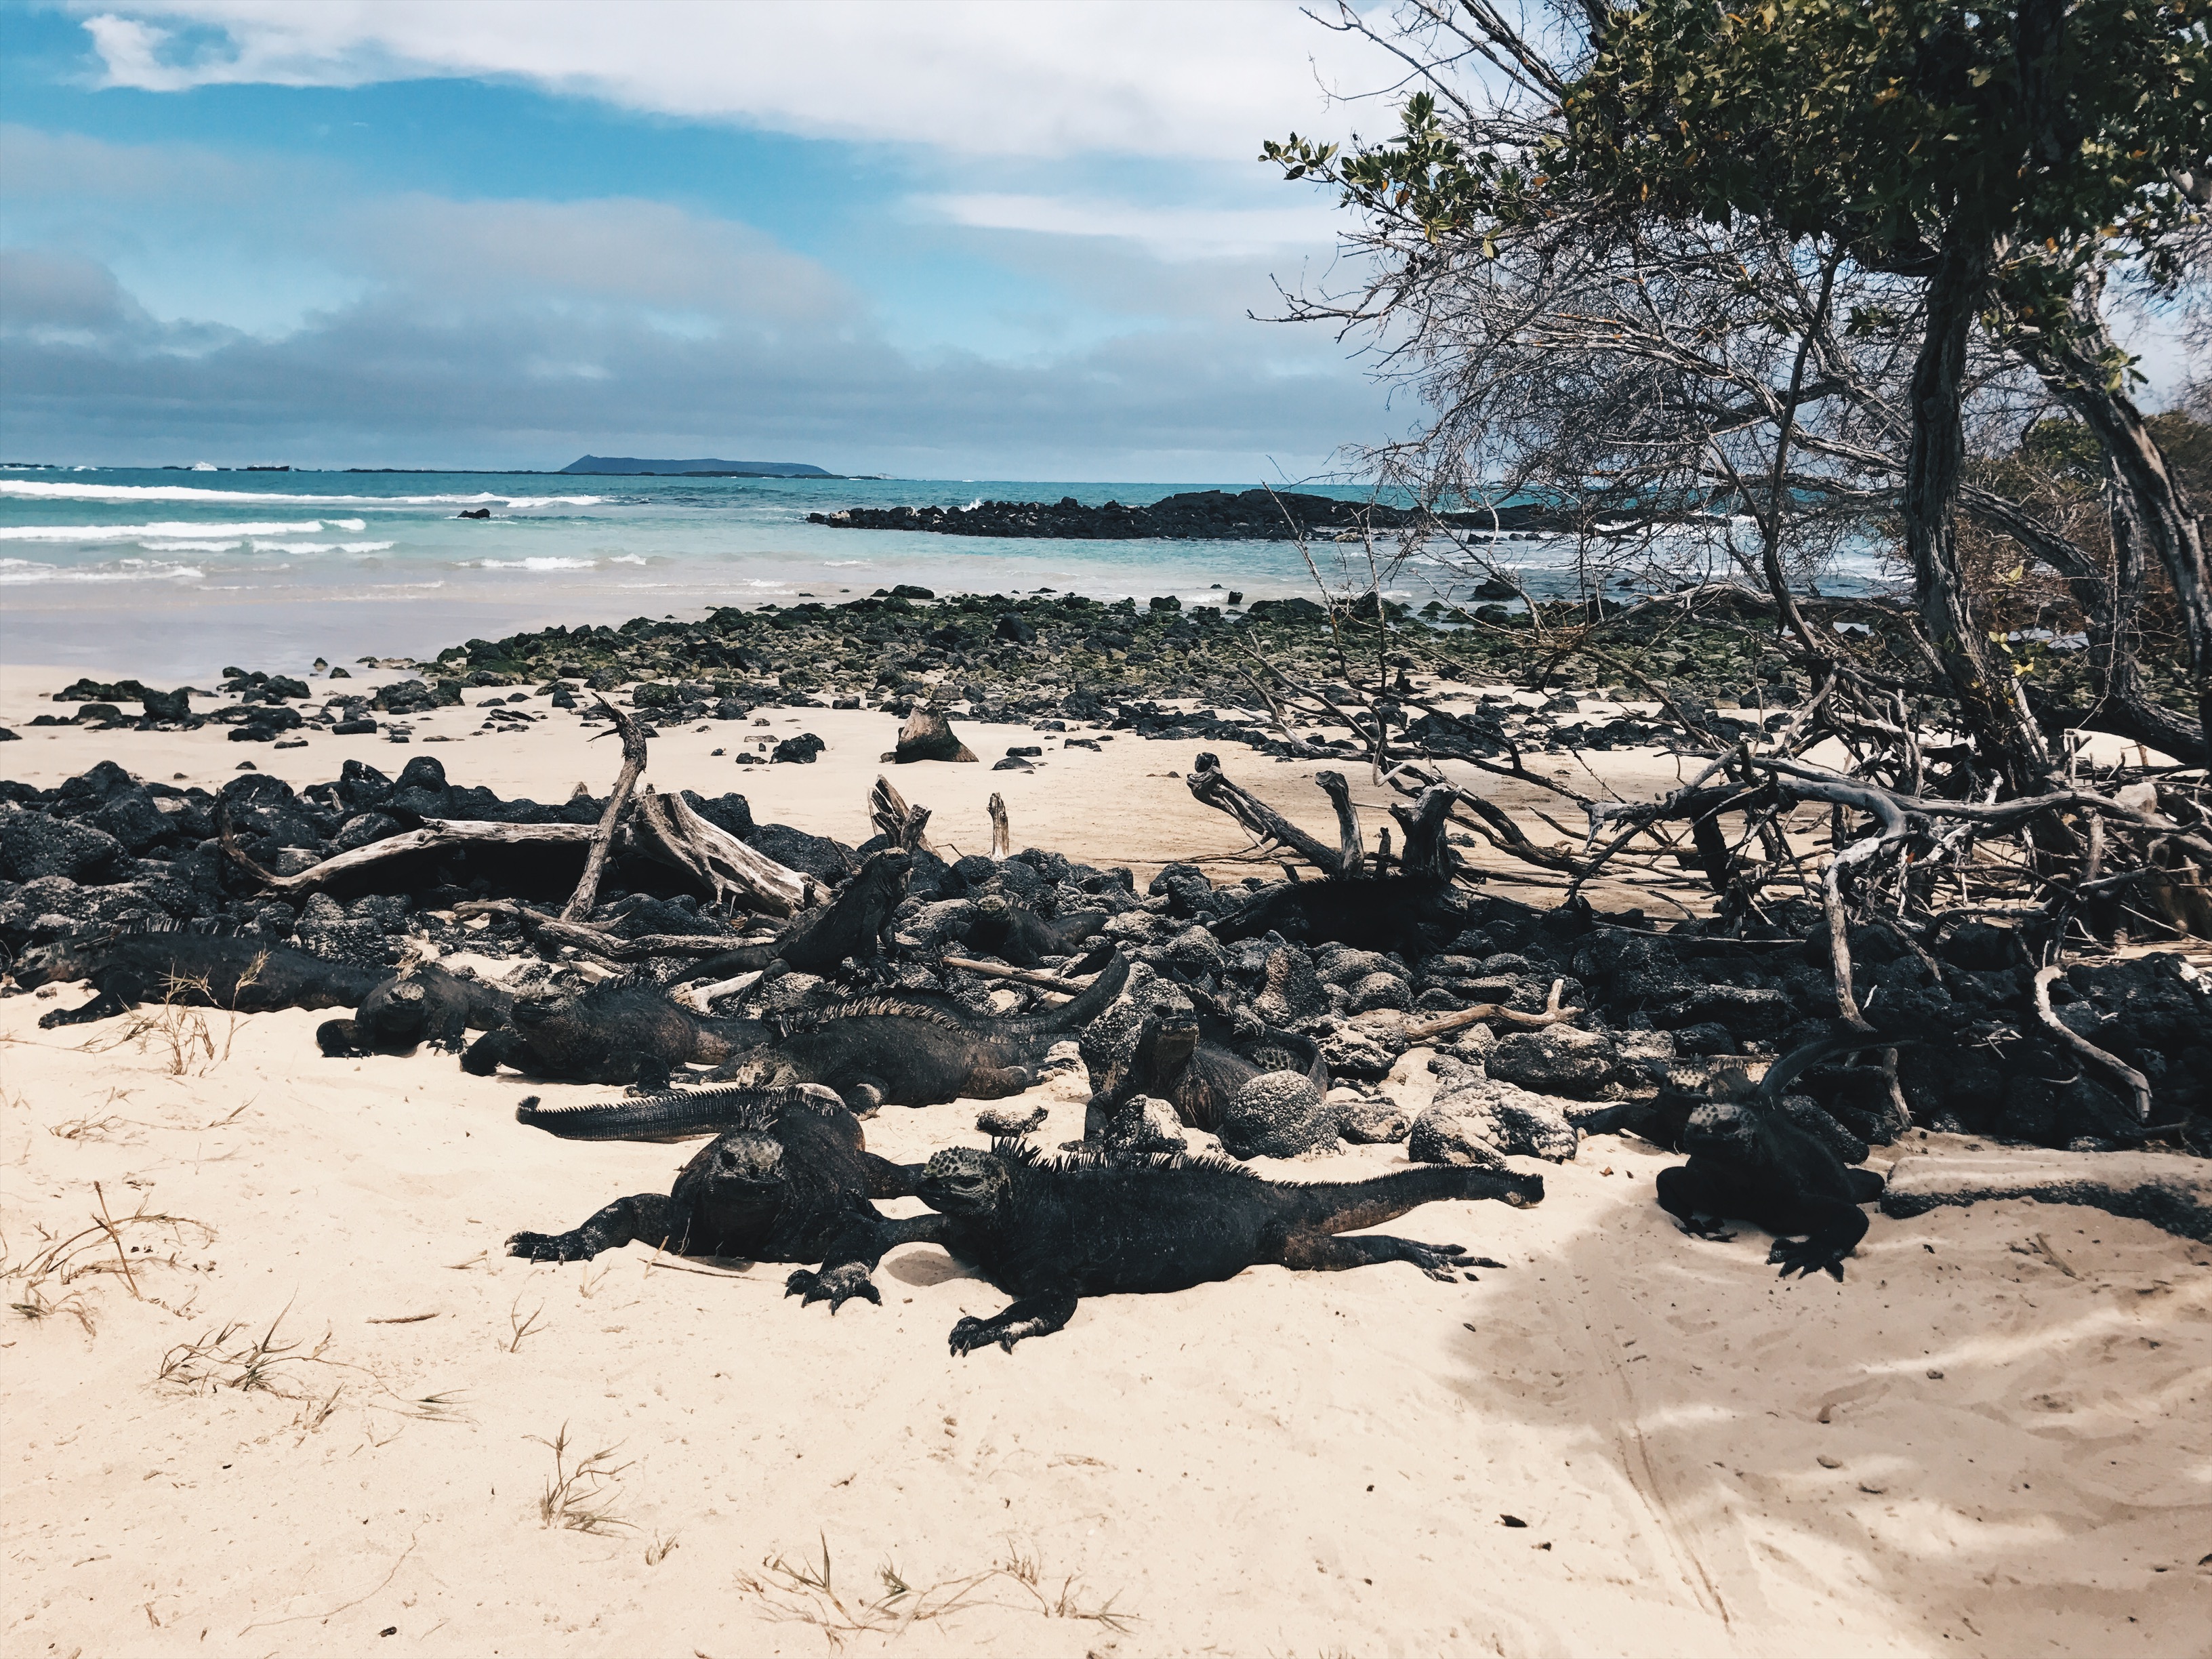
(1054, 661)
(1193, 515)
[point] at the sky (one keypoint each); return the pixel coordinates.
(948, 240)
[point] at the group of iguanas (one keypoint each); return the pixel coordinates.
(787, 1177)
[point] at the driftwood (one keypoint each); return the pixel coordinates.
(928, 735)
(1426, 852)
(716, 860)
(1553, 1015)
(702, 998)
(597, 940)
(434, 832)
(1050, 982)
(1352, 851)
(595, 861)
(1002, 837)
(897, 823)
(2138, 1085)
(1212, 786)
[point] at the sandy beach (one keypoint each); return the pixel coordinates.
(286, 1395)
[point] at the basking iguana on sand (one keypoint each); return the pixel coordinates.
(423, 1002)
(206, 970)
(620, 1030)
(1758, 1165)
(856, 924)
(898, 1048)
(788, 1179)
(1049, 1231)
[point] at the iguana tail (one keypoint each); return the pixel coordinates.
(1075, 1015)
(676, 1114)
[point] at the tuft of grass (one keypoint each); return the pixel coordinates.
(657, 1550)
(806, 1591)
(520, 1326)
(178, 1027)
(232, 1358)
(99, 1247)
(578, 1497)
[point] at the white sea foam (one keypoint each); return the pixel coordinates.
(171, 530)
(23, 572)
(190, 547)
(39, 489)
(531, 564)
(629, 558)
(319, 547)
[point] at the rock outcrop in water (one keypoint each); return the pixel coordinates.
(1195, 515)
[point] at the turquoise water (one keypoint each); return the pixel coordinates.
(171, 572)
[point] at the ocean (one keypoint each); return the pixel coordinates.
(166, 572)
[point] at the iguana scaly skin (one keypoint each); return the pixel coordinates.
(1049, 1231)
(421, 1003)
(900, 1048)
(789, 1180)
(202, 969)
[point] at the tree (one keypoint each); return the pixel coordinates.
(2003, 158)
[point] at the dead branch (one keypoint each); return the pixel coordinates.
(897, 823)
(1553, 1014)
(595, 861)
(1002, 835)
(1212, 786)
(1352, 852)
(2138, 1085)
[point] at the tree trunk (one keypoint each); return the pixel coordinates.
(2152, 515)
(1989, 699)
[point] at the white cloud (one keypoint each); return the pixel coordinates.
(1167, 233)
(991, 77)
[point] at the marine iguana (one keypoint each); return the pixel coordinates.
(1049, 1231)
(1412, 915)
(1197, 1060)
(857, 924)
(620, 1030)
(423, 1002)
(1014, 932)
(1759, 1166)
(127, 968)
(788, 1179)
(905, 1049)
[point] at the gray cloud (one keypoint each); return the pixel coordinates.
(412, 377)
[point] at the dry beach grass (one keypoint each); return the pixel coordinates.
(275, 1388)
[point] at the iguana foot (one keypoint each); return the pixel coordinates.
(1437, 1260)
(1711, 1229)
(550, 1246)
(1803, 1256)
(835, 1285)
(971, 1333)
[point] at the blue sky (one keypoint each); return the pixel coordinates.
(958, 239)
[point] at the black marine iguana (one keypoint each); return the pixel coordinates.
(423, 1002)
(1014, 932)
(1413, 915)
(1049, 1231)
(127, 968)
(1197, 1060)
(789, 1180)
(1758, 1165)
(857, 924)
(620, 1030)
(906, 1049)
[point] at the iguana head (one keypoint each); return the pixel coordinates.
(962, 1181)
(1725, 1130)
(746, 1164)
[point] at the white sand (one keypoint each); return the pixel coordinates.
(1284, 1464)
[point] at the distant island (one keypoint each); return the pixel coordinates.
(707, 468)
